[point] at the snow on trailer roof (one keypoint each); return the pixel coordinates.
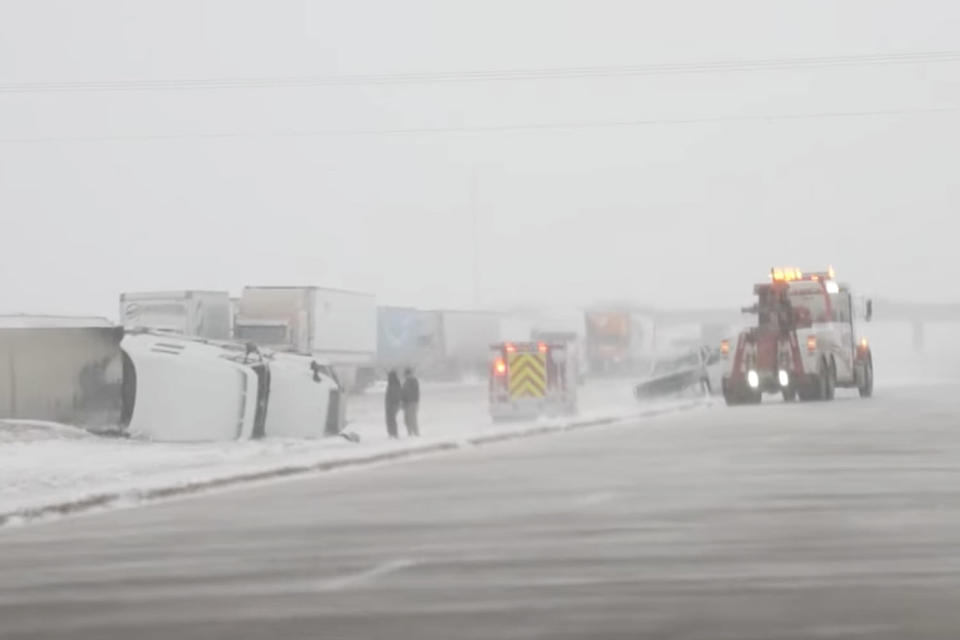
(311, 287)
(27, 321)
(170, 293)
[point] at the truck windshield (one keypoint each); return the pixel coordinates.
(813, 300)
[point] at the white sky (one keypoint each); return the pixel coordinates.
(104, 191)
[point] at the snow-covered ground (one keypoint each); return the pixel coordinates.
(43, 464)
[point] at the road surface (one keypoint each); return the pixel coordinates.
(833, 520)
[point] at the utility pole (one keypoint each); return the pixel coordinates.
(476, 239)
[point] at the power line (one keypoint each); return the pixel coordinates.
(483, 129)
(492, 75)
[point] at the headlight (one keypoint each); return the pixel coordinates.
(784, 378)
(753, 379)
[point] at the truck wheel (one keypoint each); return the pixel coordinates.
(830, 386)
(866, 383)
(815, 387)
(790, 394)
(731, 396)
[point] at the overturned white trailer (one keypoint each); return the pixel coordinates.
(60, 369)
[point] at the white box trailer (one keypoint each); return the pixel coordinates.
(61, 369)
(460, 343)
(204, 314)
(334, 326)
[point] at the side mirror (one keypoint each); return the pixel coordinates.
(869, 313)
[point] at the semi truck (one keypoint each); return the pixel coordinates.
(440, 344)
(403, 339)
(619, 340)
(454, 344)
(205, 314)
(332, 326)
(807, 341)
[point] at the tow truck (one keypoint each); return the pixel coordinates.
(805, 344)
(530, 379)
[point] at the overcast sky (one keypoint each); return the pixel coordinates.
(612, 156)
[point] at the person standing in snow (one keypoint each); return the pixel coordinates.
(411, 402)
(392, 402)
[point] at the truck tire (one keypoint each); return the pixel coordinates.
(807, 390)
(789, 394)
(729, 396)
(866, 382)
(734, 396)
(830, 386)
(815, 386)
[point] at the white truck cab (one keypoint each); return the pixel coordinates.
(305, 398)
(182, 389)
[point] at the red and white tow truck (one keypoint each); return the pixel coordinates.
(805, 344)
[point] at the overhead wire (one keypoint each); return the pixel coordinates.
(498, 128)
(488, 75)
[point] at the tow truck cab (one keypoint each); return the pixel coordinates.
(805, 343)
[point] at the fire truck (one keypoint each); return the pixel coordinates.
(805, 343)
(531, 379)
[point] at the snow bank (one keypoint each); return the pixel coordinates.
(47, 468)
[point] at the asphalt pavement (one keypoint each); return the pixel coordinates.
(825, 520)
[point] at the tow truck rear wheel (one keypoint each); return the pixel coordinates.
(866, 380)
(830, 386)
(817, 386)
(809, 388)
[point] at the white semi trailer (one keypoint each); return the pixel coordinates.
(205, 314)
(332, 326)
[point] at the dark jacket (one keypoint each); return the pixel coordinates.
(411, 390)
(394, 391)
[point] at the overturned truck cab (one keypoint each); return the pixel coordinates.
(805, 343)
(180, 389)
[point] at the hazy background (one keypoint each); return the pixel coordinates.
(678, 188)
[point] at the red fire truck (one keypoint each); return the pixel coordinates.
(805, 344)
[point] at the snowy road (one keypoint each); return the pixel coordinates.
(834, 520)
